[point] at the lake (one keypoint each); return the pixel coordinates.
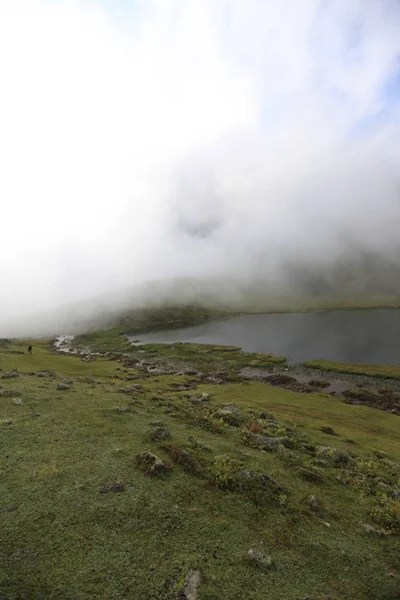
(359, 336)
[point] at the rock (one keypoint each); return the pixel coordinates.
(7, 422)
(113, 487)
(313, 475)
(270, 444)
(319, 383)
(395, 493)
(137, 387)
(41, 374)
(10, 375)
(335, 456)
(380, 454)
(120, 410)
(267, 415)
(191, 586)
(313, 503)
(160, 434)
(151, 464)
(368, 528)
(231, 415)
(10, 393)
(329, 430)
(89, 380)
(63, 387)
(12, 508)
(258, 558)
(18, 401)
(280, 379)
(185, 460)
(204, 397)
(197, 444)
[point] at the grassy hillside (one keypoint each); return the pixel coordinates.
(244, 467)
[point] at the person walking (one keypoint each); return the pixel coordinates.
(30, 350)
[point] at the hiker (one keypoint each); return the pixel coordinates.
(30, 350)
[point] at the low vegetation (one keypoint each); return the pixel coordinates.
(379, 371)
(148, 474)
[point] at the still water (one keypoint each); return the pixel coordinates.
(365, 336)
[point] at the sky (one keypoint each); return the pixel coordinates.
(154, 139)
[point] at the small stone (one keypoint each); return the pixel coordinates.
(18, 401)
(191, 586)
(329, 430)
(10, 375)
(380, 454)
(260, 559)
(7, 422)
(368, 528)
(89, 380)
(312, 475)
(267, 415)
(12, 508)
(151, 464)
(160, 434)
(113, 487)
(63, 387)
(313, 503)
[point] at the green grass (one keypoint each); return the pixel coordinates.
(66, 540)
(380, 371)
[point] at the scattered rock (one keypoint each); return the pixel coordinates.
(151, 464)
(319, 383)
(191, 586)
(270, 444)
(63, 387)
(10, 375)
(183, 457)
(258, 558)
(335, 456)
(380, 454)
(329, 430)
(197, 444)
(89, 380)
(267, 416)
(230, 414)
(312, 474)
(280, 379)
(313, 503)
(160, 434)
(12, 508)
(6, 422)
(127, 390)
(137, 387)
(124, 409)
(113, 487)
(368, 528)
(18, 401)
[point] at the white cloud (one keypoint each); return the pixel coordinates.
(112, 124)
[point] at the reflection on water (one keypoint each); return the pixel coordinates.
(364, 336)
